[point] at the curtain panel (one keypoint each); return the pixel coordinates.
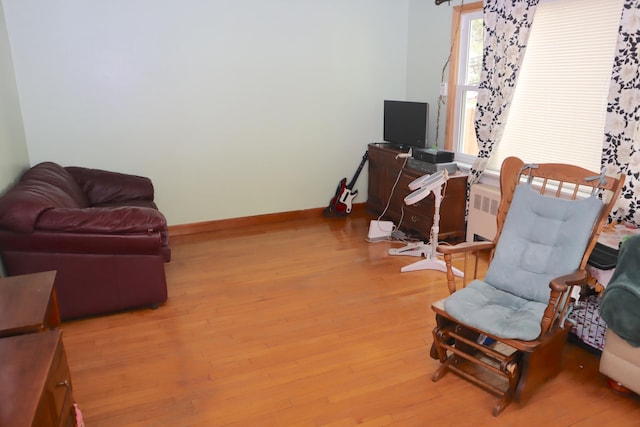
(622, 124)
(507, 24)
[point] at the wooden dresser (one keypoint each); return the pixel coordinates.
(384, 169)
(35, 383)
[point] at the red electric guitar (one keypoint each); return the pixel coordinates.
(342, 202)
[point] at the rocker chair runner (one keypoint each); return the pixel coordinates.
(506, 332)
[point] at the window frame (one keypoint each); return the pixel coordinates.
(454, 94)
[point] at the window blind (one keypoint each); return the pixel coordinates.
(559, 105)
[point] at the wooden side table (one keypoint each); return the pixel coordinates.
(36, 386)
(28, 304)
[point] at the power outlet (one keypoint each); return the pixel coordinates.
(444, 88)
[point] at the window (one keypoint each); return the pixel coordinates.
(559, 106)
(464, 72)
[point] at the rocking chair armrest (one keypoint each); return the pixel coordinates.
(560, 284)
(465, 247)
(556, 311)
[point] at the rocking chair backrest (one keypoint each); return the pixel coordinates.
(561, 181)
(542, 238)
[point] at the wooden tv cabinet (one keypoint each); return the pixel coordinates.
(384, 168)
(36, 389)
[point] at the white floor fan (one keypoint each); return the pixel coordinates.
(421, 188)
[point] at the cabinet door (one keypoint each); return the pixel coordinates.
(59, 386)
(397, 206)
(377, 180)
(419, 217)
(454, 204)
(384, 169)
(56, 403)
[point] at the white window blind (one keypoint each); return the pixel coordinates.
(558, 109)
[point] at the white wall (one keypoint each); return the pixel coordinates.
(233, 108)
(429, 45)
(13, 147)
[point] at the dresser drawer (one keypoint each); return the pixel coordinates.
(55, 408)
(415, 218)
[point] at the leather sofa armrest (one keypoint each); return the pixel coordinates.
(103, 187)
(103, 220)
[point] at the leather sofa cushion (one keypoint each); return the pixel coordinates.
(110, 188)
(106, 220)
(44, 186)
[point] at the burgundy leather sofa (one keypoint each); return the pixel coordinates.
(101, 231)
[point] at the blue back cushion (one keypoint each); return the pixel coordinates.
(542, 238)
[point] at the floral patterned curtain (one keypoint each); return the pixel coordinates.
(507, 24)
(620, 153)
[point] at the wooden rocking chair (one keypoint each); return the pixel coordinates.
(506, 332)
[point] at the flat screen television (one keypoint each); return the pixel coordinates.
(405, 124)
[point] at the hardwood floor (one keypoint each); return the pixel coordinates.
(301, 324)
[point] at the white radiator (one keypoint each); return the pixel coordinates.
(483, 207)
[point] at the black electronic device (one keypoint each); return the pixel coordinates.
(428, 167)
(405, 124)
(432, 155)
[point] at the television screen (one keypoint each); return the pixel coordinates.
(405, 123)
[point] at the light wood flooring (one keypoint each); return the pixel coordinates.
(302, 323)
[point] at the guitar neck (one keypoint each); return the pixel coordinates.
(357, 174)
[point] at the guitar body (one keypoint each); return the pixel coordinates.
(345, 203)
(335, 201)
(342, 202)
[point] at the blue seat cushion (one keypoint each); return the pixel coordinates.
(496, 312)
